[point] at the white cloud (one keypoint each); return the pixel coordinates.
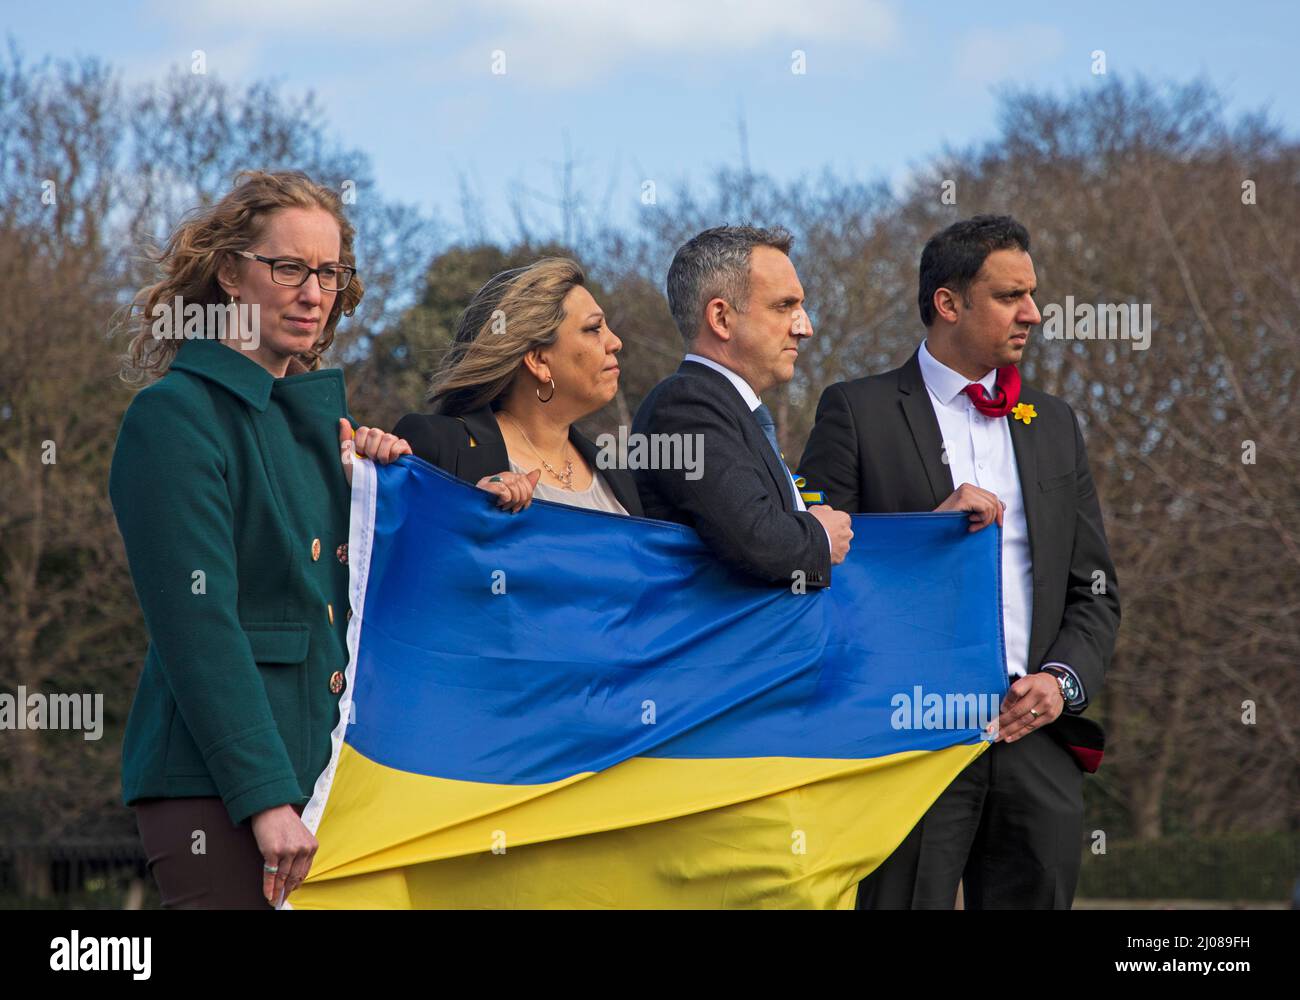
(557, 42)
(988, 56)
(285, 23)
(704, 26)
(581, 40)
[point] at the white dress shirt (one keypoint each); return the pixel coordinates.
(979, 452)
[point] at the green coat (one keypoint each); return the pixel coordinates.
(232, 502)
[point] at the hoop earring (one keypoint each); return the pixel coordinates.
(551, 396)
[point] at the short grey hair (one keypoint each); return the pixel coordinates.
(715, 265)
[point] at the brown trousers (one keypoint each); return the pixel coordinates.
(226, 871)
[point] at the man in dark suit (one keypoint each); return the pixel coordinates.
(1010, 826)
(739, 306)
(738, 303)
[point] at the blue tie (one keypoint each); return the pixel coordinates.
(764, 417)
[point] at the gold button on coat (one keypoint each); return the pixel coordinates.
(315, 549)
(336, 682)
(342, 553)
(329, 609)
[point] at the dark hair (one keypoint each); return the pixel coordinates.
(715, 264)
(953, 257)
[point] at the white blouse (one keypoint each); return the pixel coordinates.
(597, 496)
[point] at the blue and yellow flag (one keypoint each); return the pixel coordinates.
(567, 708)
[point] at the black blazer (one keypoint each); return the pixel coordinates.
(743, 503)
(471, 447)
(876, 448)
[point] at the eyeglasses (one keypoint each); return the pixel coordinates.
(287, 271)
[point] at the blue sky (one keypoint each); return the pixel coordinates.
(654, 91)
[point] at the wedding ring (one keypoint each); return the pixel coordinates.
(270, 869)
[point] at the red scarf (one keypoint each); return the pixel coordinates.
(1006, 393)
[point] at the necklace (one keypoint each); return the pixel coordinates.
(567, 477)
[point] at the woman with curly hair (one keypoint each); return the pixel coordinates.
(233, 505)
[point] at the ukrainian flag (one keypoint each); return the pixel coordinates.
(566, 708)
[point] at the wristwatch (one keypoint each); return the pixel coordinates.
(1070, 692)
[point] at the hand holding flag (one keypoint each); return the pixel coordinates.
(368, 442)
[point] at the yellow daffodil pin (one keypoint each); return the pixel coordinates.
(1024, 412)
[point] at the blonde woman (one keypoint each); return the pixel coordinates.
(233, 506)
(533, 355)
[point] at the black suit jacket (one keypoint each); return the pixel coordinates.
(876, 448)
(471, 447)
(743, 503)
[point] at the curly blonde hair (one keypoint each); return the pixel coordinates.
(517, 311)
(188, 263)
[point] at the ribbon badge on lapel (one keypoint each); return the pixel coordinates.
(810, 497)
